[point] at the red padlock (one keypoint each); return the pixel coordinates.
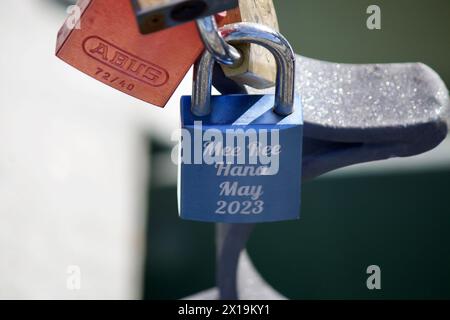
(107, 45)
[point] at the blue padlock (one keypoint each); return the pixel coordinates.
(241, 156)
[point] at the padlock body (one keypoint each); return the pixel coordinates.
(157, 15)
(258, 69)
(107, 45)
(242, 163)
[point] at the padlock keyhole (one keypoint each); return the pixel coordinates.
(189, 10)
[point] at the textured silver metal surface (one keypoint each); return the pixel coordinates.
(347, 97)
(365, 96)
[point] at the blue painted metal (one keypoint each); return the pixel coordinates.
(273, 196)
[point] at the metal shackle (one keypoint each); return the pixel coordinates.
(223, 52)
(245, 32)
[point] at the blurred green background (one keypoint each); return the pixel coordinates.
(397, 220)
(411, 31)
